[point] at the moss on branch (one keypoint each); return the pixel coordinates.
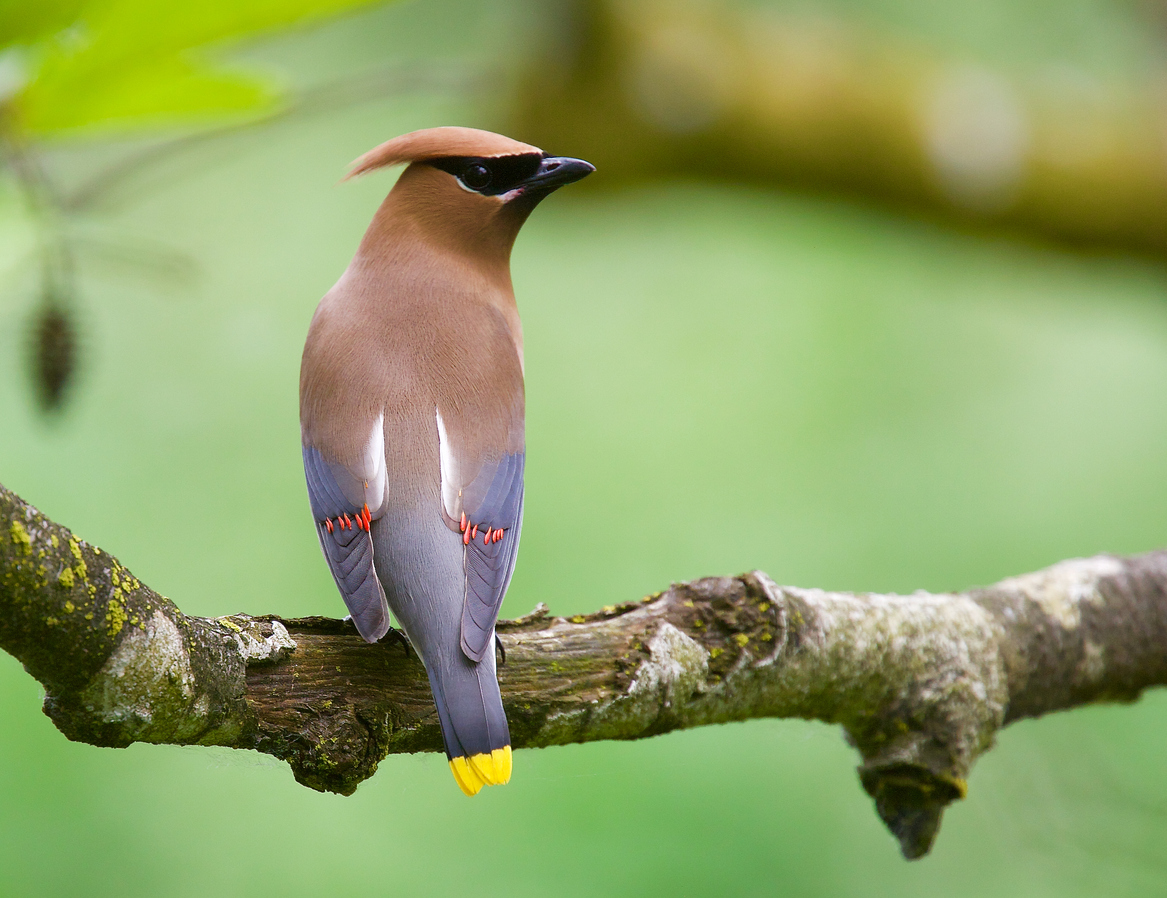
(920, 683)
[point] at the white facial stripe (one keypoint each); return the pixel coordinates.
(463, 186)
(449, 470)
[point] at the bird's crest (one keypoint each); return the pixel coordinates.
(434, 143)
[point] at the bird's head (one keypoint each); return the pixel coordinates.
(469, 188)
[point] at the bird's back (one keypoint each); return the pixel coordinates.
(433, 362)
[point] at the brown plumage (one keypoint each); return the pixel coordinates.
(411, 405)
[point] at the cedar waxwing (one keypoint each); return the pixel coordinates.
(411, 418)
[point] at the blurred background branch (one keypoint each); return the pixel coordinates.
(794, 96)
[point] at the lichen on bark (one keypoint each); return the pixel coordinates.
(920, 683)
(119, 662)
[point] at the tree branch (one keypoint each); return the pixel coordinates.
(920, 683)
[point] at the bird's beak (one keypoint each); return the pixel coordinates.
(555, 171)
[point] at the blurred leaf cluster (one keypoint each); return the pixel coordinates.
(94, 68)
(116, 64)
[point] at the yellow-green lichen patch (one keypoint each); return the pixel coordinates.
(70, 607)
(53, 540)
(113, 576)
(65, 578)
(741, 639)
(51, 621)
(115, 617)
(20, 538)
(229, 624)
(80, 569)
(578, 619)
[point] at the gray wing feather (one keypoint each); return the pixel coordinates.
(488, 567)
(348, 551)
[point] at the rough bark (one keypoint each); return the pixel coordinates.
(920, 683)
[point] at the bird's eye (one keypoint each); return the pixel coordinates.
(476, 176)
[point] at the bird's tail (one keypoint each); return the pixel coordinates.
(474, 726)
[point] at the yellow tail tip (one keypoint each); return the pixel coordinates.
(487, 769)
(465, 775)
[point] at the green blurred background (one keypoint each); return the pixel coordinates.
(722, 375)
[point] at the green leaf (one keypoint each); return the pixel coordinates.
(136, 63)
(170, 90)
(25, 21)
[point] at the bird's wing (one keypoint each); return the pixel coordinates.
(488, 511)
(490, 554)
(345, 499)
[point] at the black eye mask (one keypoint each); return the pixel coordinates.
(490, 176)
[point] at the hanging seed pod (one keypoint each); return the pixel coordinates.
(53, 356)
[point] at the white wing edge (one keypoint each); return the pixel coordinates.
(451, 494)
(376, 479)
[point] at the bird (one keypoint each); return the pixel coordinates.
(412, 411)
